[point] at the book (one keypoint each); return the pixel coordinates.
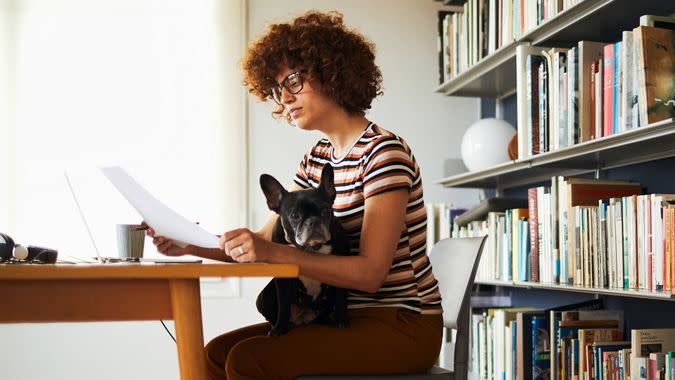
(533, 221)
(635, 83)
(560, 64)
(590, 109)
(624, 363)
(556, 59)
(627, 70)
(543, 99)
(656, 70)
(589, 53)
(442, 26)
(608, 90)
(541, 352)
(517, 215)
(524, 342)
(616, 82)
(534, 131)
(522, 53)
(599, 90)
(657, 21)
(572, 92)
(646, 341)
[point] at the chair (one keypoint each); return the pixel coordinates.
(454, 263)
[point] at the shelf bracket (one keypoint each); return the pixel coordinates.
(499, 108)
(596, 172)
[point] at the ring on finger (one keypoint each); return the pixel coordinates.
(240, 249)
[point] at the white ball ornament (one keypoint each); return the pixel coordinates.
(485, 143)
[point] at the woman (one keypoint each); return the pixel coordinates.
(323, 77)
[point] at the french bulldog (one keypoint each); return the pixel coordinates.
(307, 222)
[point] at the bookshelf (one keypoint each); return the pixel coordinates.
(651, 146)
(494, 75)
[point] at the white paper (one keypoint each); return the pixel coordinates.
(157, 215)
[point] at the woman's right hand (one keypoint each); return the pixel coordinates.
(167, 246)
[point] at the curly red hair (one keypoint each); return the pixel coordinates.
(340, 59)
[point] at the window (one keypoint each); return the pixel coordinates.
(152, 85)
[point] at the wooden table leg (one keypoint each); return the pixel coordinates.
(187, 315)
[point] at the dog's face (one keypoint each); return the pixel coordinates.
(306, 214)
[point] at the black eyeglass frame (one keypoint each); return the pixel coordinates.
(281, 85)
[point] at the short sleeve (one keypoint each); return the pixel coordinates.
(388, 166)
(301, 176)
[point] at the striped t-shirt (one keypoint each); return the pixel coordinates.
(380, 161)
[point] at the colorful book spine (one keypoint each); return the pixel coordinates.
(525, 251)
(599, 99)
(532, 147)
(608, 93)
(635, 81)
(626, 255)
(563, 105)
(594, 70)
(541, 353)
(627, 80)
(542, 74)
(573, 96)
(534, 234)
(616, 83)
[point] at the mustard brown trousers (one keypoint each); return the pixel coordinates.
(380, 340)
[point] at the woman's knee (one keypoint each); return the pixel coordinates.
(248, 359)
(215, 356)
(215, 351)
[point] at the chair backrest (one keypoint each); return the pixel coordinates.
(454, 263)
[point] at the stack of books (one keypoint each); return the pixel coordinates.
(571, 95)
(577, 341)
(480, 27)
(585, 232)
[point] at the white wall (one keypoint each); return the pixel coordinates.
(404, 32)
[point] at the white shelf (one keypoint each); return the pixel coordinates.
(653, 142)
(664, 296)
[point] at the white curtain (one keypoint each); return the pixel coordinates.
(153, 85)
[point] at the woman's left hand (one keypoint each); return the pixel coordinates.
(244, 245)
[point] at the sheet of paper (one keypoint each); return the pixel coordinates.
(157, 215)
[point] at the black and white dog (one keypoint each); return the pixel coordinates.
(306, 220)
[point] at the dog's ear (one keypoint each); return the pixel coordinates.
(273, 191)
(328, 182)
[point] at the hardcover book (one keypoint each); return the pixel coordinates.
(656, 73)
(647, 341)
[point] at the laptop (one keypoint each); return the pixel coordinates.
(103, 260)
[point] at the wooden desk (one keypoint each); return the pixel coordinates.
(122, 292)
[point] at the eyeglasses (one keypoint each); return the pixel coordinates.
(292, 83)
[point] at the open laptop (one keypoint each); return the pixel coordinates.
(102, 259)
